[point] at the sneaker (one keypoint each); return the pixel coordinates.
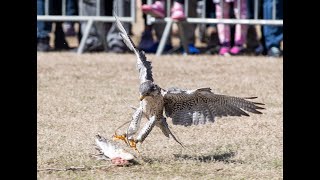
(154, 47)
(236, 50)
(193, 49)
(177, 12)
(156, 9)
(61, 45)
(224, 51)
(259, 50)
(274, 52)
(43, 44)
(116, 49)
(93, 44)
(146, 40)
(93, 47)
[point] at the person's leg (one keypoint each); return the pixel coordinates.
(60, 42)
(273, 34)
(147, 43)
(250, 9)
(71, 10)
(241, 29)
(156, 9)
(159, 29)
(71, 7)
(114, 41)
(189, 29)
(43, 29)
(211, 29)
(146, 36)
(93, 42)
(252, 38)
(223, 30)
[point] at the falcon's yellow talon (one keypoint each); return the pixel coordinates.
(133, 145)
(122, 137)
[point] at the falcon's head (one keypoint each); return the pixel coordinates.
(148, 88)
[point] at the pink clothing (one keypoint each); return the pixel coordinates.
(224, 29)
(156, 9)
(177, 12)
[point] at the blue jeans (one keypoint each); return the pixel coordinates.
(43, 27)
(71, 7)
(273, 34)
(250, 8)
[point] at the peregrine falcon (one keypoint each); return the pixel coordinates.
(184, 107)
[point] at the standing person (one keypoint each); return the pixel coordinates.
(254, 43)
(157, 10)
(224, 29)
(44, 28)
(273, 35)
(104, 34)
(146, 41)
(114, 41)
(71, 10)
(208, 33)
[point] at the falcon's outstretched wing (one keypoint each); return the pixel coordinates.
(143, 65)
(187, 107)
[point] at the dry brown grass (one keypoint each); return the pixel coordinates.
(80, 96)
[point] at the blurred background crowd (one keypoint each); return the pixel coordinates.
(221, 39)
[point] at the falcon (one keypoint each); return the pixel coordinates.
(184, 107)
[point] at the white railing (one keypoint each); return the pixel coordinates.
(204, 20)
(89, 19)
(151, 20)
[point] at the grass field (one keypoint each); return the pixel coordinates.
(80, 96)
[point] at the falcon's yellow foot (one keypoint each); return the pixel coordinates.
(122, 137)
(133, 145)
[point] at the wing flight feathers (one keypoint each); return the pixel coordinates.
(143, 65)
(187, 107)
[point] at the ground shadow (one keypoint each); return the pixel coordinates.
(224, 157)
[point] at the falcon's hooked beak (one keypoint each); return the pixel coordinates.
(142, 97)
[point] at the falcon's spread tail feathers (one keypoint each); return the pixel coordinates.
(143, 65)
